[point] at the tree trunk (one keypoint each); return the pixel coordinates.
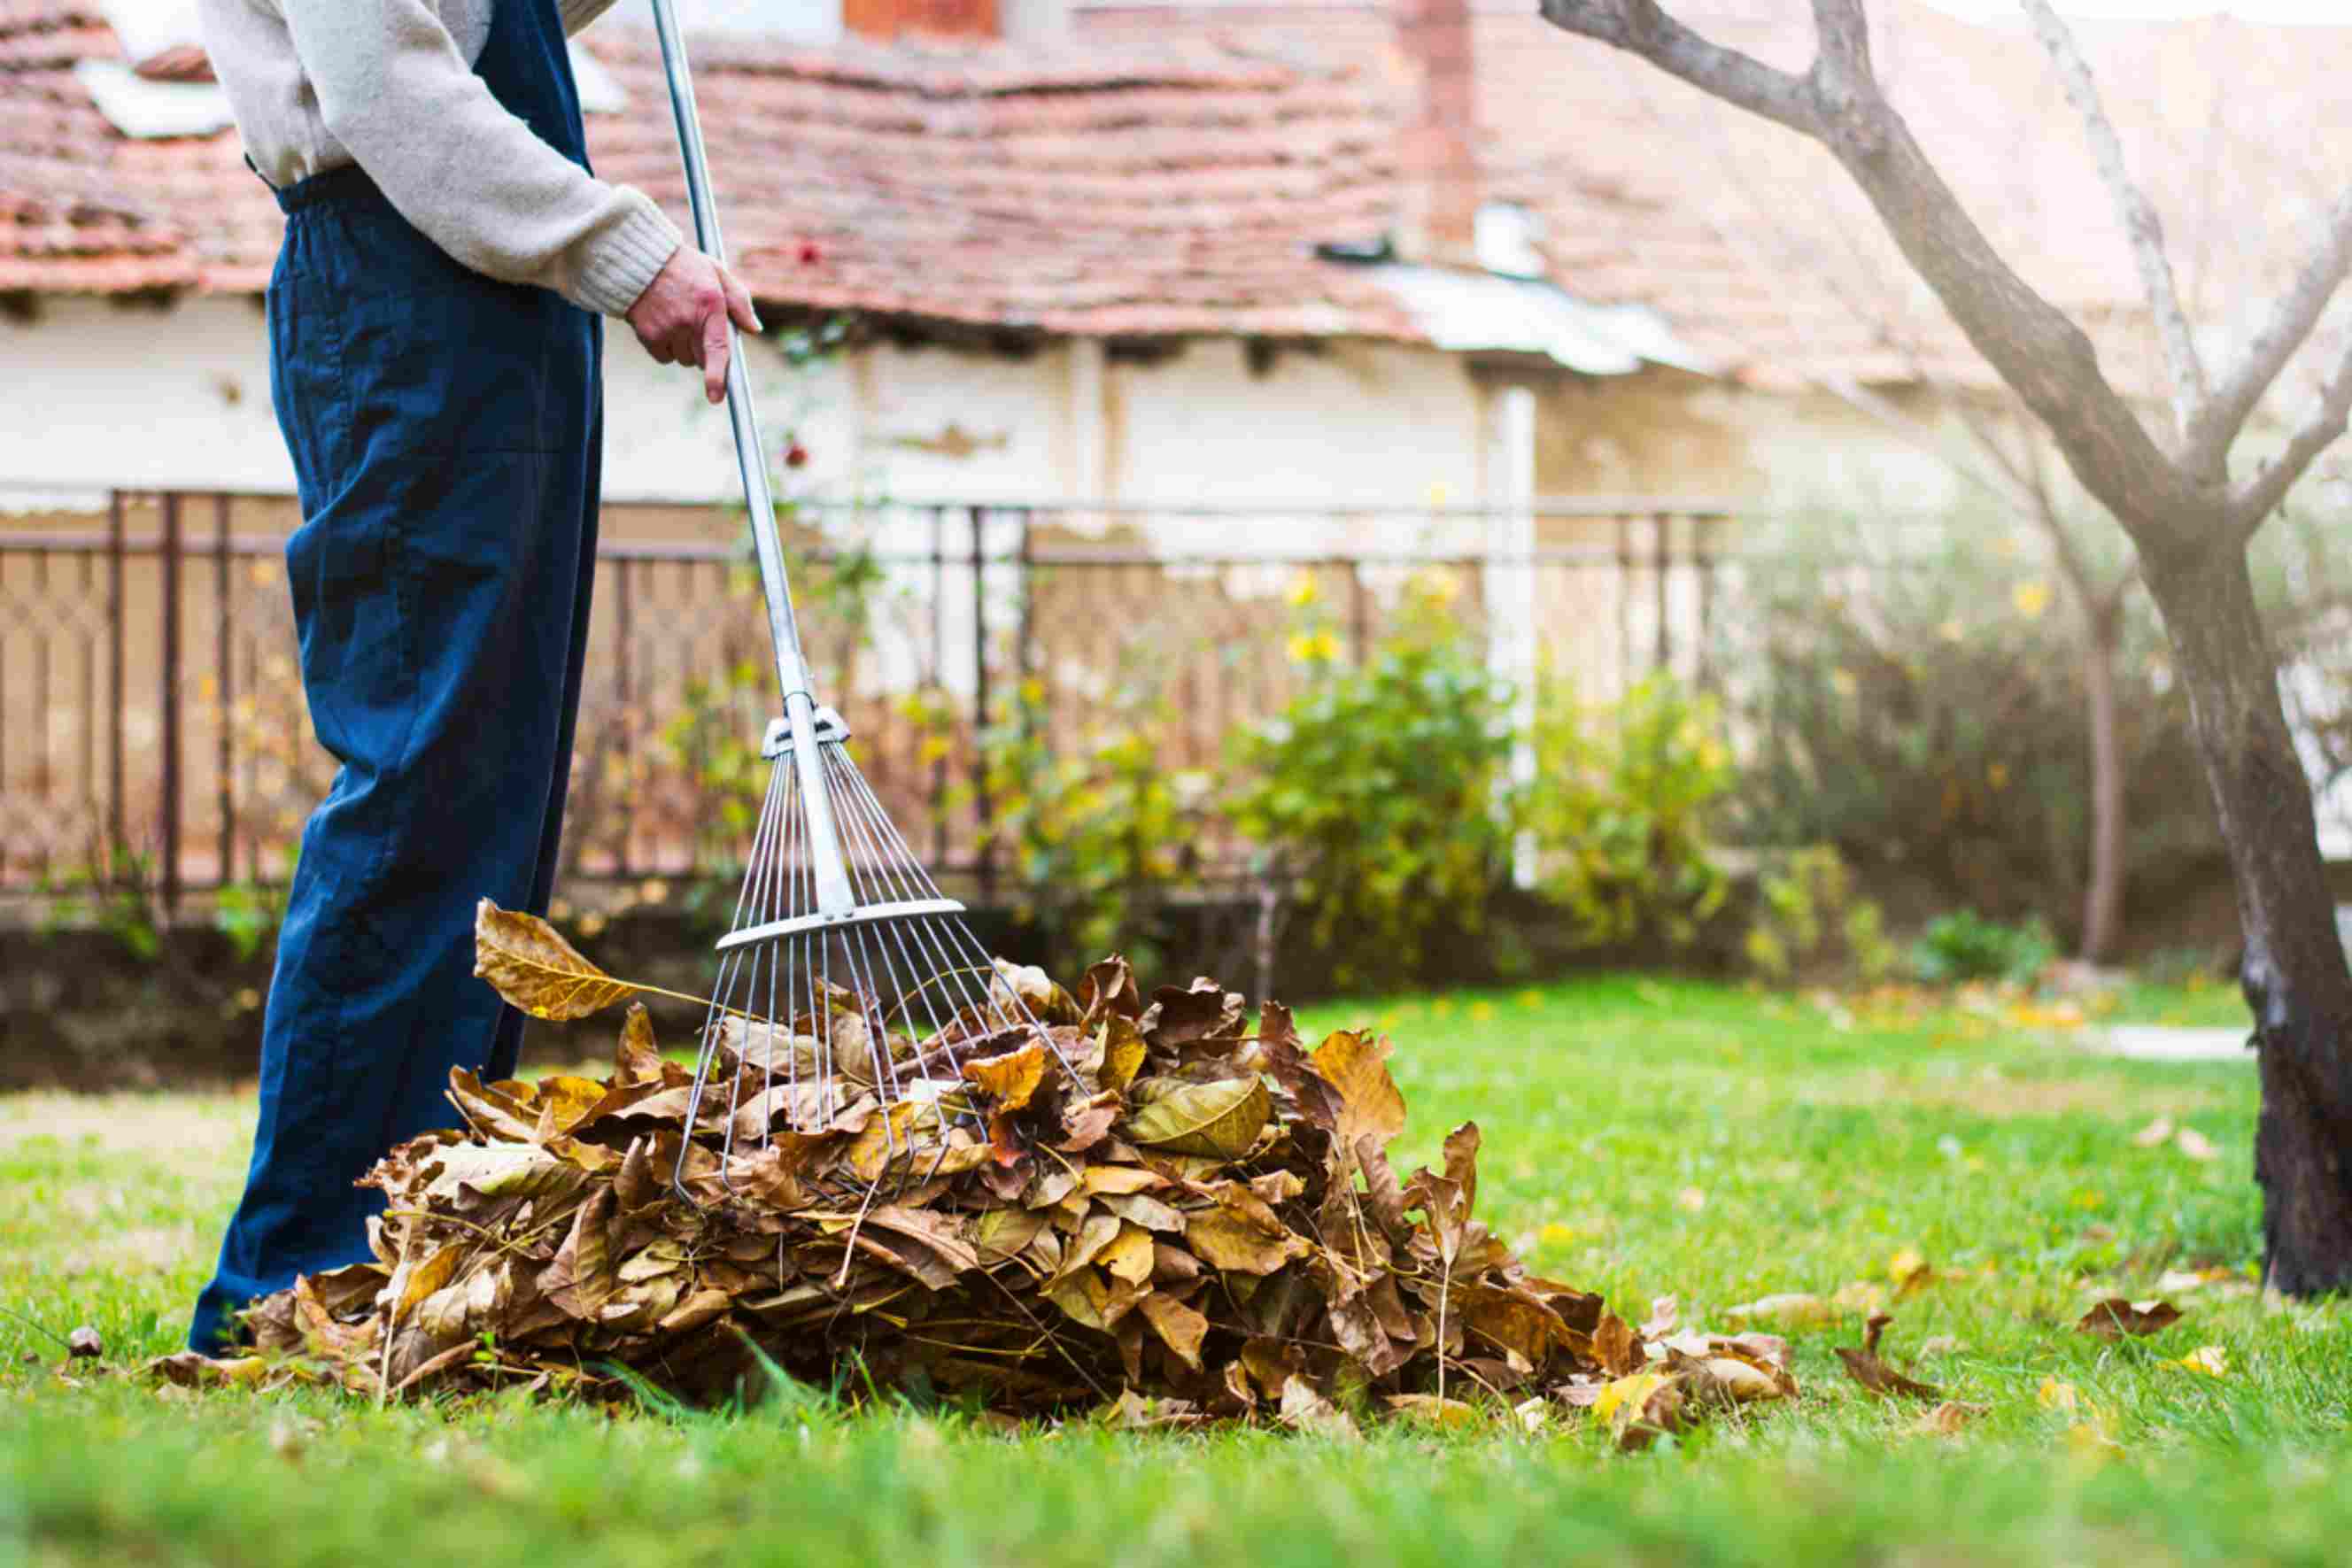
(2293, 971)
(2102, 896)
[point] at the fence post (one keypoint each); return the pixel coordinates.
(1624, 603)
(1703, 568)
(1360, 612)
(223, 683)
(623, 696)
(1663, 524)
(167, 659)
(980, 813)
(116, 837)
(1022, 660)
(937, 671)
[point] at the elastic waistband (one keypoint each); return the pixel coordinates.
(348, 183)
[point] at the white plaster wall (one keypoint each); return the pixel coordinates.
(98, 394)
(178, 397)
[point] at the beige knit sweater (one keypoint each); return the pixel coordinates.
(390, 85)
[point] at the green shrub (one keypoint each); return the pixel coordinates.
(1965, 945)
(1100, 835)
(1920, 706)
(1621, 806)
(1376, 793)
(1809, 923)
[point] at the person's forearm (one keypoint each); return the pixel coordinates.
(478, 182)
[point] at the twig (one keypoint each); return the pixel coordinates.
(37, 1326)
(2141, 224)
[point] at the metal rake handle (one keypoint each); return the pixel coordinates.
(750, 455)
(835, 898)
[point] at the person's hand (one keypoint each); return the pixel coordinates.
(681, 318)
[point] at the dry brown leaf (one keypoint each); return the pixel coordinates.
(1948, 1418)
(1877, 1376)
(1188, 1224)
(1640, 1408)
(1129, 1255)
(1355, 1063)
(1010, 1079)
(1451, 1413)
(1180, 1328)
(1794, 1310)
(2115, 1317)
(535, 969)
(1220, 1120)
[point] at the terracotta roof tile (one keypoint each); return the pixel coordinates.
(1153, 189)
(1761, 252)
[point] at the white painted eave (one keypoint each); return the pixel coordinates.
(1484, 312)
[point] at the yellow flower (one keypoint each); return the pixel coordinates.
(1555, 1234)
(2030, 598)
(1480, 1012)
(1303, 591)
(2056, 1396)
(1313, 647)
(1842, 683)
(1531, 998)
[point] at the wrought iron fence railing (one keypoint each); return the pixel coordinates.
(151, 703)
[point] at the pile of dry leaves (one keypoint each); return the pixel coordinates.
(1203, 1224)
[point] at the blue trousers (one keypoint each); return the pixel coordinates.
(445, 431)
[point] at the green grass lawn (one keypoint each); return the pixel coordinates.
(1642, 1137)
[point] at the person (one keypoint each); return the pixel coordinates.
(435, 342)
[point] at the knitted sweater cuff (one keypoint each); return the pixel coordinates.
(621, 260)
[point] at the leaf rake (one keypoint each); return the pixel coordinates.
(846, 974)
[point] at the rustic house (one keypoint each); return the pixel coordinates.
(1232, 282)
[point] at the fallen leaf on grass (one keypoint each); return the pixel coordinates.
(1639, 1407)
(1437, 1412)
(2154, 1133)
(2195, 1145)
(2055, 1395)
(1663, 1309)
(1691, 1199)
(2089, 1440)
(1864, 1296)
(1948, 1418)
(1307, 1411)
(1219, 1250)
(84, 1342)
(1909, 1271)
(1942, 1345)
(2209, 1359)
(1794, 1310)
(2115, 1317)
(1874, 1375)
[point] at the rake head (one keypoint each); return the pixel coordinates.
(846, 974)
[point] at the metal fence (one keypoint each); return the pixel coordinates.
(151, 707)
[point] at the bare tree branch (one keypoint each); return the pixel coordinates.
(2206, 448)
(2045, 357)
(1640, 27)
(2141, 225)
(2253, 502)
